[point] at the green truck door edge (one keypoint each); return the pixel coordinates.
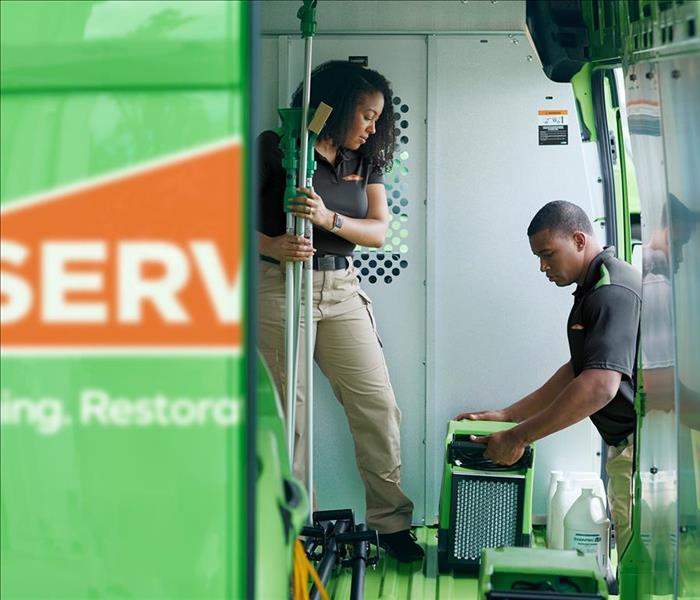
(127, 404)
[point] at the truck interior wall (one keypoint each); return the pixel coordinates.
(486, 327)
(499, 325)
(381, 16)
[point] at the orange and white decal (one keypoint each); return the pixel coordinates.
(148, 259)
(553, 117)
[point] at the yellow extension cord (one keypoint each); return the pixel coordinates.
(300, 575)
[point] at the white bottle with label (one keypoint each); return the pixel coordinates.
(587, 528)
(562, 500)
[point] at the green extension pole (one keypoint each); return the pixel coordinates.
(307, 16)
(291, 123)
(289, 146)
(296, 138)
(635, 562)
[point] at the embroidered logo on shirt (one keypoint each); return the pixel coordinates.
(352, 178)
(577, 326)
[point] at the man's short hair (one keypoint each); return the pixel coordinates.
(561, 216)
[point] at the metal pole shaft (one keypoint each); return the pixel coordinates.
(309, 375)
(308, 281)
(306, 98)
(290, 354)
(295, 226)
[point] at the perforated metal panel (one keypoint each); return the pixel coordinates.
(385, 264)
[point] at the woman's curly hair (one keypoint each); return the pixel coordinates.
(341, 85)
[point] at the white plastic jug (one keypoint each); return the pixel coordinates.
(584, 479)
(587, 528)
(579, 480)
(562, 500)
(554, 478)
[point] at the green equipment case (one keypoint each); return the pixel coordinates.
(539, 573)
(482, 504)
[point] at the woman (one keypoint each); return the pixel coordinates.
(347, 207)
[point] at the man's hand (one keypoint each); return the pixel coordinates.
(484, 415)
(503, 447)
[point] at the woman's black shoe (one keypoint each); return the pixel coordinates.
(401, 545)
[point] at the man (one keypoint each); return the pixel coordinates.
(598, 381)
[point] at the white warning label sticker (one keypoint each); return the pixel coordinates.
(553, 127)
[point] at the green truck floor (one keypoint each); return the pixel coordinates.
(392, 580)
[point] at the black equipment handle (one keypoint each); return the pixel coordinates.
(342, 514)
(462, 452)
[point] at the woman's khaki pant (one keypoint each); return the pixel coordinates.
(349, 352)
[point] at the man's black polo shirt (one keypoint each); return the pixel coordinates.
(602, 329)
(342, 186)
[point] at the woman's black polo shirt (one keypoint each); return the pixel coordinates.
(603, 328)
(343, 188)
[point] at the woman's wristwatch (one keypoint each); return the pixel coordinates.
(337, 222)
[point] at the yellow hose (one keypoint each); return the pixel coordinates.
(300, 575)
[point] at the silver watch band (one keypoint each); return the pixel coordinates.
(337, 222)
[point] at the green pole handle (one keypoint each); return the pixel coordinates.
(307, 15)
(289, 142)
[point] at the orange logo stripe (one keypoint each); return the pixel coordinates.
(190, 209)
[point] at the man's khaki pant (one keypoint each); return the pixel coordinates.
(619, 470)
(349, 352)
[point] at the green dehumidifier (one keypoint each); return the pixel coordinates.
(482, 504)
(539, 574)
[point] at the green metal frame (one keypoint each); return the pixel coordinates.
(639, 29)
(581, 83)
